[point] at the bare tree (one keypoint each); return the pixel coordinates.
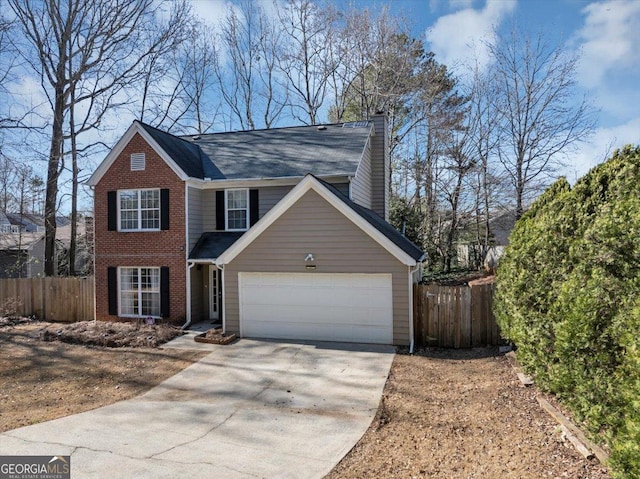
(245, 64)
(97, 43)
(540, 119)
(305, 59)
(195, 61)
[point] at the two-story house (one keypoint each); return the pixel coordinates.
(280, 233)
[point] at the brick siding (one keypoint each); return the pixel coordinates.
(157, 248)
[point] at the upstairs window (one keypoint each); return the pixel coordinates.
(139, 210)
(237, 210)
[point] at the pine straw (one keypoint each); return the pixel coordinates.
(110, 334)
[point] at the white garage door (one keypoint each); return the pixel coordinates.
(317, 306)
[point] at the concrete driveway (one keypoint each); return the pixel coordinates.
(251, 409)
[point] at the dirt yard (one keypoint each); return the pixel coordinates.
(462, 414)
(444, 414)
(45, 380)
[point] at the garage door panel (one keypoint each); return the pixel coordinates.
(330, 307)
(312, 331)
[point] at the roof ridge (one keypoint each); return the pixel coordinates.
(267, 129)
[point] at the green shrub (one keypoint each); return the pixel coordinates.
(568, 295)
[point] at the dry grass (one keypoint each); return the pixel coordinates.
(462, 414)
(42, 380)
(444, 413)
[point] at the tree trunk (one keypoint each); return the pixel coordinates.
(53, 172)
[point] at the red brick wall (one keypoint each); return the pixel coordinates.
(157, 248)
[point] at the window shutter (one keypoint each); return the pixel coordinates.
(112, 210)
(112, 289)
(164, 291)
(220, 210)
(254, 208)
(164, 209)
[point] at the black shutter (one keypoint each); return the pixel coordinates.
(112, 210)
(164, 209)
(254, 208)
(220, 210)
(164, 291)
(112, 290)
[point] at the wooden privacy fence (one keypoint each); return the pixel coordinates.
(53, 299)
(455, 316)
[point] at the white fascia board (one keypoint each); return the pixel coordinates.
(122, 143)
(311, 183)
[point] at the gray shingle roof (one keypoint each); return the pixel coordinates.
(211, 245)
(188, 157)
(325, 150)
(280, 152)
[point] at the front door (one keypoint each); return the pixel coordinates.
(214, 292)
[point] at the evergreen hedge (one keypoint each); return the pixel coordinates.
(568, 295)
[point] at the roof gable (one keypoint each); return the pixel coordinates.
(139, 128)
(399, 247)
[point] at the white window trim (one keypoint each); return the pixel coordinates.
(139, 228)
(120, 313)
(226, 210)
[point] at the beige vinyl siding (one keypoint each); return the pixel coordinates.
(361, 184)
(209, 210)
(313, 226)
(268, 197)
(195, 215)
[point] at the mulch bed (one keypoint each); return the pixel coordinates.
(111, 334)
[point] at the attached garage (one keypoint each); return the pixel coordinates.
(323, 307)
(319, 267)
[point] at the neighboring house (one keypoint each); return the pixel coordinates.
(5, 224)
(22, 245)
(21, 255)
(500, 228)
(278, 233)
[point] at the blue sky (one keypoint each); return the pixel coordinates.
(605, 33)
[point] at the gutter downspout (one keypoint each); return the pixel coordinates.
(186, 256)
(188, 322)
(411, 333)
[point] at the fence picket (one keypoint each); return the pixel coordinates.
(455, 316)
(54, 299)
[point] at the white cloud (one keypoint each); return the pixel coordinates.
(211, 11)
(458, 38)
(603, 143)
(609, 40)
